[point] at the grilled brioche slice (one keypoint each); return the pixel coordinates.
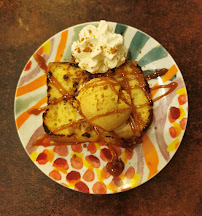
(132, 79)
(62, 120)
(59, 120)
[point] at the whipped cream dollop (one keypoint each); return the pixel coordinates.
(99, 49)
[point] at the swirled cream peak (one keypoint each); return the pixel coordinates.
(99, 49)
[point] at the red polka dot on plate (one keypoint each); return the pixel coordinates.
(89, 175)
(118, 150)
(62, 163)
(130, 173)
(77, 148)
(92, 148)
(55, 175)
(172, 132)
(174, 112)
(171, 120)
(182, 99)
(42, 158)
(106, 154)
(116, 184)
(81, 186)
(73, 176)
(183, 123)
(61, 150)
(99, 188)
(93, 161)
(104, 173)
(117, 181)
(76, 162)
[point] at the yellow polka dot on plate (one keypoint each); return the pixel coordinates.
(33, 156)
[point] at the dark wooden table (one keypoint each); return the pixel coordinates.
(25, 25)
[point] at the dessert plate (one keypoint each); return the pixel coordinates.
(83, 167)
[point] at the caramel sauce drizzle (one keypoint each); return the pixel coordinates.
(172, 86)
(143, 105)
(57, 85)
(119, 94)
(157, 74)
(37, 111)
(128, 90)
(138, 87)
(135, 120)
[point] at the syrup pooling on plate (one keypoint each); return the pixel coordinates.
(116, 166)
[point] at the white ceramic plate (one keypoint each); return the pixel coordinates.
(87, 172)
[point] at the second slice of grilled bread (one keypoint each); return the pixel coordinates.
(132, 79)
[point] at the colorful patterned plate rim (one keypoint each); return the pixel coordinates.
(83, 167)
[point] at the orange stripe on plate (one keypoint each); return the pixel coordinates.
(37, 83)
(24, 116)
(171, 72)
(61, 46)
(150, 155)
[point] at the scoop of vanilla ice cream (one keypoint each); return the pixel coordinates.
(104, 104)
(99, 49)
